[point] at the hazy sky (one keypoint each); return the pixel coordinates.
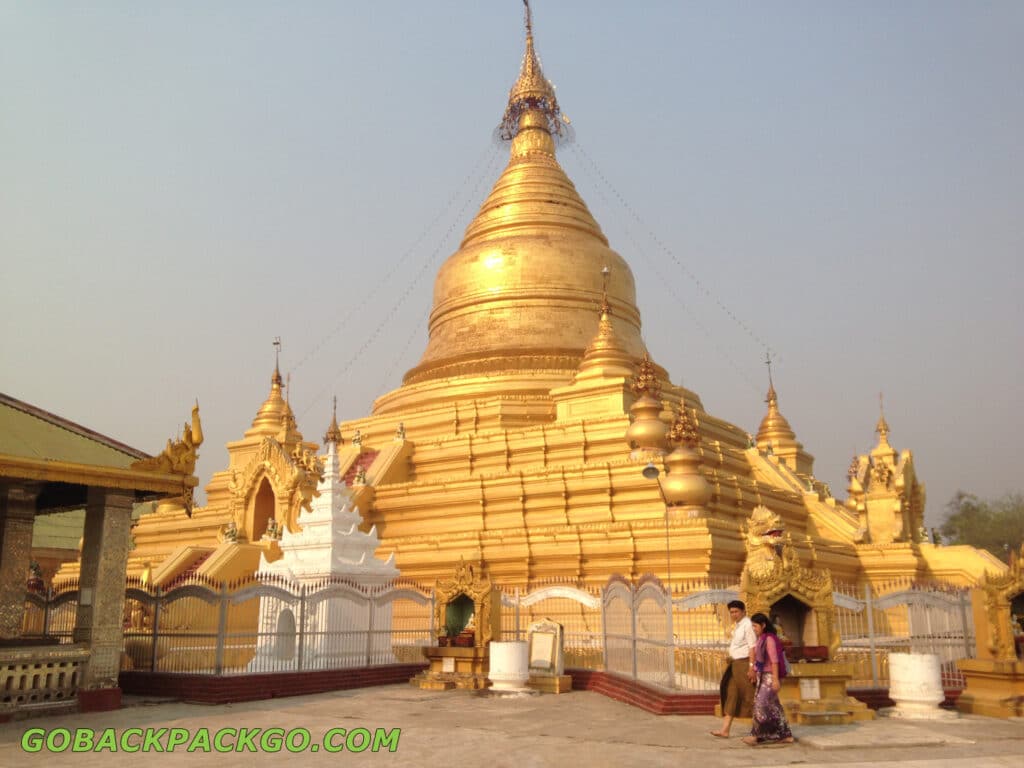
(181, 182)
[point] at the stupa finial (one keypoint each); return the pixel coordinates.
(683, 430)
(276, 379)
(606, 308)
(333, 434)
(882, 428)
(532, 92)
(646, 380)
(772, 398)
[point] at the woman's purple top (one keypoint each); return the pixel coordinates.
(768, 652)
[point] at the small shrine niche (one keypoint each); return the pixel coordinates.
(459, 622)
(797, 625)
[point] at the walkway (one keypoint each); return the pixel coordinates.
(569, 731)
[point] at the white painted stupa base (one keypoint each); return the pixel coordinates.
(915, 684)
(509, 666)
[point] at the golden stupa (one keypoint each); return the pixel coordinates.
(520, 438)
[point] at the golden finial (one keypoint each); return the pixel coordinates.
(333, 434)
(882, 428)
(684, 430)
(646, 380)
(276, 378)
(772, 399)
(606, 308)
(532, 91)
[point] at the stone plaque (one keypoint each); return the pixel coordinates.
(448, 664)
(542, 650)
(810, 689)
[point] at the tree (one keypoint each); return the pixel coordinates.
(996, 525)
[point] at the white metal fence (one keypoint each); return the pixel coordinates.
(630, 629)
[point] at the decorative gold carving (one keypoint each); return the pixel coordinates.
(531, 92)
(773, 571)
(684, 429)
(763, 538)
(179, 457)
(293, 478)
(1000, 591)
(646, 380)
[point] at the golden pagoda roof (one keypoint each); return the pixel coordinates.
(518, 294)
(274, 411)
(774, 425)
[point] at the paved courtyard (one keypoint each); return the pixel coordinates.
(461, 728)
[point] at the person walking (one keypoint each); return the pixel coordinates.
(737, 686)
(769, 717)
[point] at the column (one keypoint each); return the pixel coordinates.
(99, 623)
(17, 514)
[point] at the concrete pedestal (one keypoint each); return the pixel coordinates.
(509, 665)
(915, 684)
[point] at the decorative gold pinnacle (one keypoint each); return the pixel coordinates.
(646, 380)
(333, 434)
(532, 91)
(684, 429)
(882, 428)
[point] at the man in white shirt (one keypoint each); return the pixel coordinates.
(738, 681)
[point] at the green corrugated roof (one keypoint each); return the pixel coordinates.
(33, 433)
(63, 530)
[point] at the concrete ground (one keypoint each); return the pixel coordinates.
(439, 729)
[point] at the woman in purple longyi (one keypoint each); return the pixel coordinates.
(769, 717)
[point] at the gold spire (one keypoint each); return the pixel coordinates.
(606, 351)
(269, 416)
(333, 434)
(774, 426)
(882, 428)
(531, 92)
(270, 413)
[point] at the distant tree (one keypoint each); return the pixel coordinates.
(996, 525)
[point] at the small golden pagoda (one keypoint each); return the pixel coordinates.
(518, 440)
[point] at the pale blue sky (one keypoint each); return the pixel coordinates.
(180, 183)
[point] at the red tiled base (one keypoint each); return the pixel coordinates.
(99, 700)
(209, 689)
(647, 698)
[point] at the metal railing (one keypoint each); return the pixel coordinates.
(677, 641)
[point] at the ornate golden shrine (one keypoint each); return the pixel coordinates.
(463, 667)
(995, 679)
(800, 600)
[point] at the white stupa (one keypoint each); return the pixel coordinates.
(329, 549)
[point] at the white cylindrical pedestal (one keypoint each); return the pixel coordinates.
(915, 684)
(509, 665)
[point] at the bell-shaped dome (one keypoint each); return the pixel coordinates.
(647, 433)
(520, 293)
(684, 485)
(269, 416)
(774, 427)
